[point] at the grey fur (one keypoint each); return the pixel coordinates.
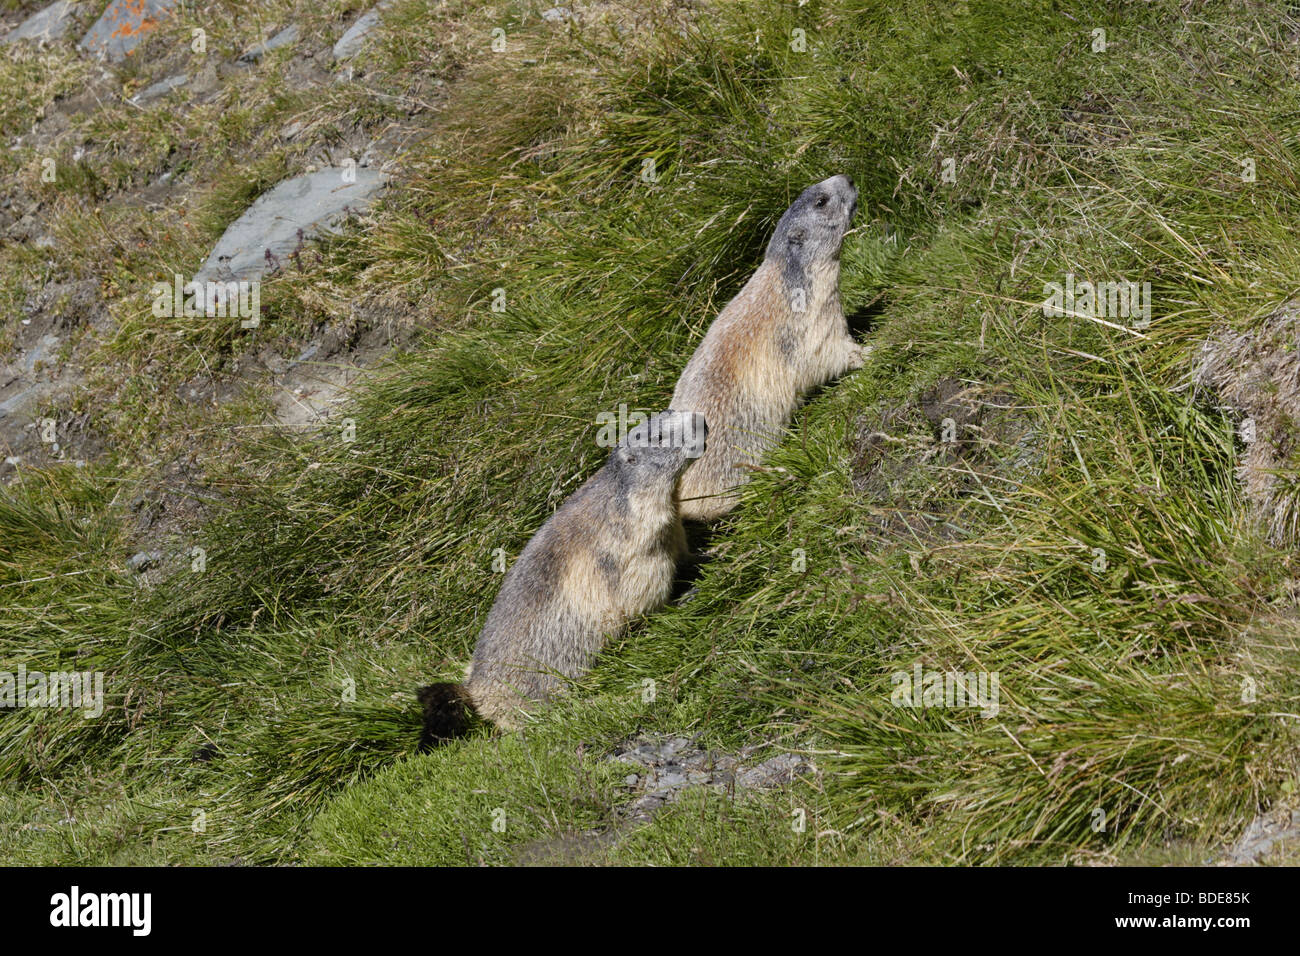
(607, 555)
(812, 229)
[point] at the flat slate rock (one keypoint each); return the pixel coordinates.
(350, 43)
(123, 26)
(285, 37)
(309, 203)
(49, 24)
(159, 89)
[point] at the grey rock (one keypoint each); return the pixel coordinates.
(1278, 829)
(123, 26)
(776, 772)
(143, 560)
(15, 403)
(44, 26)
(557, 14)
(37, 352)
(669, 780)
(159, 89)
(286, 37)
(309, 203)
(205, 81)
(354, 38)
(673, 764)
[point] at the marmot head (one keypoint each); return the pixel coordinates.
(812, 229)
(661, 447)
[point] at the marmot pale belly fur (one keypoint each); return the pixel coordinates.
(607, 555)
(783, 334)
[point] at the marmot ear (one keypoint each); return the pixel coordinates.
(798, 234)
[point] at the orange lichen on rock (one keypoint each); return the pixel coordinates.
(123, 24)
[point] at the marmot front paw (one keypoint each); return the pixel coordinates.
(857, 357)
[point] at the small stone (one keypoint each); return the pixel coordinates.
(159, 89)
(47, 25)
(669, 781)
(205, 81)
(286, 37)
(557, 14)
(781, 769)
(143, 561)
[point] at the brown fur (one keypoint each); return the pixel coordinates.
(607, 555)
(762, 353)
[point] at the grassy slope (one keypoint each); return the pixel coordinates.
(369, 562)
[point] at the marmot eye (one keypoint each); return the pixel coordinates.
(821, 201)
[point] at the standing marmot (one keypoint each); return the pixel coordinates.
(782, 334)
(608, 554)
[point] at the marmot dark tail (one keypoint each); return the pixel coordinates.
(447, 713)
